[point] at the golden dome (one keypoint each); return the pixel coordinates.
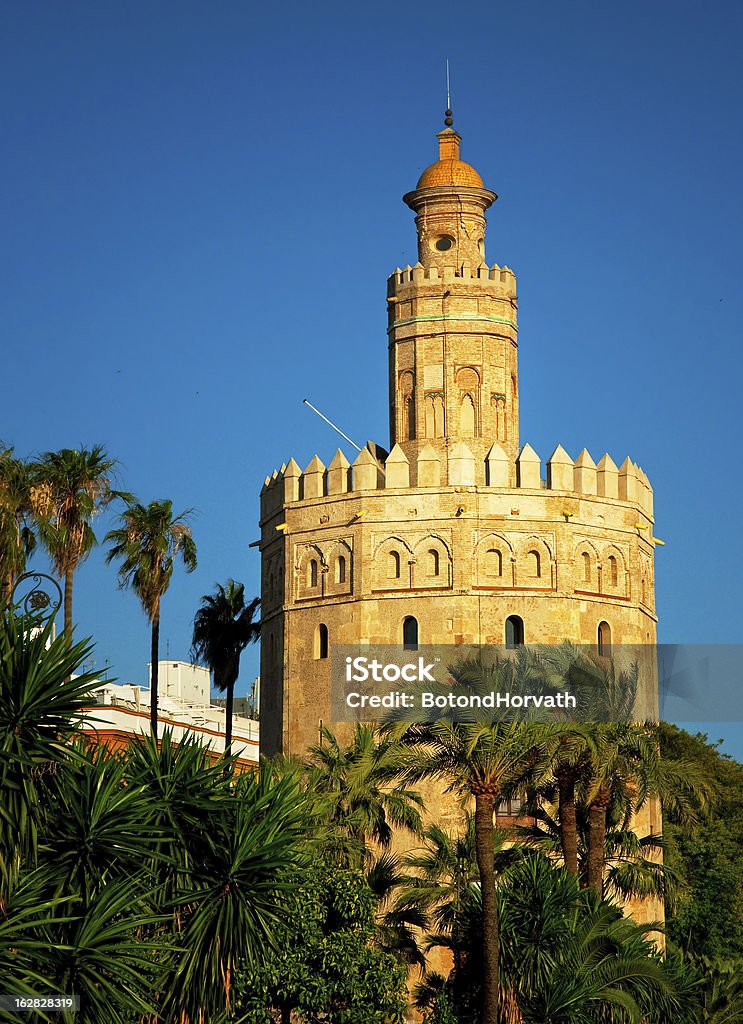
(449, 169)
(450, 172)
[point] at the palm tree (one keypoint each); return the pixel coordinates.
(483, 761)
(571, 958)
(567, 958)
(355, 781)
(624, 770)
(69, 488)
(631, 868)
(611, 768)
(17, 539)
(445, 890)
(446, 879)
(95, 828)
(568, 765)
(96, 949)
(40, 708)
(183, 790)
(254, 857)
(722, 993)
(147, 544)
(572, 744)
(223, 627)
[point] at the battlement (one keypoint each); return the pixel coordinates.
(500, 279)
(581, 477)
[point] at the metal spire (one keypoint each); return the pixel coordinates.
(448, 119)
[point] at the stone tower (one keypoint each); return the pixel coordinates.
(455, 536)
(452, 325)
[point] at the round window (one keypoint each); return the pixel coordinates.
(444, 243)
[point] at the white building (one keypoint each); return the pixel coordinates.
(122, 710)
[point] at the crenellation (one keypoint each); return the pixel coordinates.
(628, 484)
(266, 497)
(460, 467)
(366, 475)
(497, 467)
(607, 476)
(292, 476)
(585, 478)
(313, 483)
(337, 474)
(397, 469)
(560, 471)
(648, 493)
(528, 472)
(500, 281)
(275, 490)
(429, 468)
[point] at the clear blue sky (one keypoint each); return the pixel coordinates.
(201, 203)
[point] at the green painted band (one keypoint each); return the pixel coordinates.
(461, 316)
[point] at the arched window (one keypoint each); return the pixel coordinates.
(613, 571)
(498, 403)
(407, 386)
(409, 416)
(433, 564)
(604, 639)
(514, 631)
(340, 569)
(312, 576)
(434, 406)
(393, 568)
(534, 564)
(467, 416)
(410, 633)
(321, 641)
(494, 563)
(586, 567)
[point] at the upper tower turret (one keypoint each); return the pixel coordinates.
(450, 201)
(452, 324)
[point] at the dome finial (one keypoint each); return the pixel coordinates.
(448, 117)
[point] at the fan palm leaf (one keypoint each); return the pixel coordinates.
(101, 955)
(236, 900)
(40, 709)
(147, 544)
(356, 782)
(223, 627)
(17, 538)
(183, 796)
(94, 827)
(69, 488)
